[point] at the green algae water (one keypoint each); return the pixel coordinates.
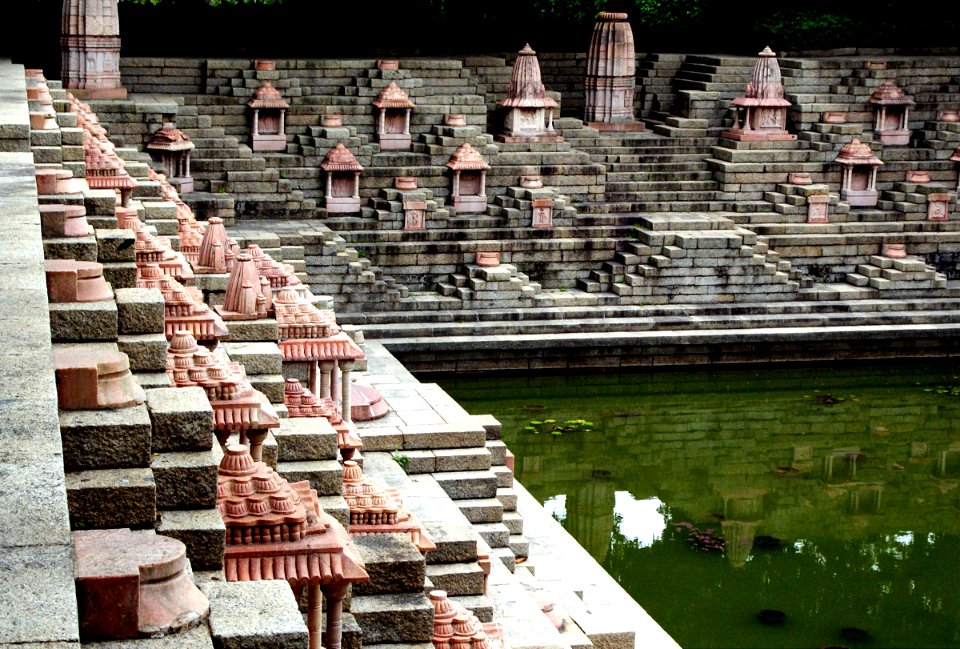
(799, 507)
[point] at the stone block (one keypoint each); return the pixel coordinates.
(254, 331)
(481, 510)
(77, 248)
(111, 498)
(116, 245)
(385, 618)
(139, 311)
(462, 459)
(255, 615)
(457, 578)
(461, 485)
(393, 563)
(182, 419)
(270, 384)
(104, 439)
(201, 530)
(326, 476)
(187, 480)
(147, 352)
(120, 274)
(83, 321)
(304, 439)
(256, 357)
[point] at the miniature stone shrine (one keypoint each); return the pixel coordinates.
(237, 406)
(90, 46)
(268, 119)
(245, 298)
(184, 309)
(377, 509)
(211, 258)
(57, 220)
(891, 111)
(342, 195)
(301, 402)
(761, 115)
(611, 75)
(469, 179)
(529, 116)
(173, 148)
(393, 118)
(277, 530)
(134, 584)
(858, 185)
(456, 627)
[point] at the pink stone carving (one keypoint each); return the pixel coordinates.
(301, 402)
(799, 178)
(151, 249)
(891, 114)
(264, 65)
(134, 584)
(529, 111)
(278, 275)
(761, 115)
(918, 176)
(948, 115)
(455, 119)
(414, 215)
(393, 118)
(858, 185)
(405, 182)
(818, 207)
(267, 120)
(244, 299)
(894, 250)
(938, 206)
(388, 64)
(212, 255)
(488, 259)
(277, 530)
(454, 627)
(834, 118)
(90, 378)
(90, 48)
(343, 180)
(542, 213)
(173, 147)
(237, 406)
(469, 179)
(183, 306)
(366, 402)
(611, 75)
(331, 121)
(57, 220)
(76, 281)
(875, 65)
(105, 170)
(377, 509)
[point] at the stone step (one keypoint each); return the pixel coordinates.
(326, 476)
(109, 498)
(305, 439)
(393, 563)
(201, 530)
(496, 535)
(386, 618)
(457, 578)
(481, 510)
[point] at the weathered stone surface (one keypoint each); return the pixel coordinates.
(38, 578)
(393, 563)
(111, 498)
(385, 618)
(182, 419)
(201, 530)
(101, 439)
(140, 310)
(255, 615)
(187, 480)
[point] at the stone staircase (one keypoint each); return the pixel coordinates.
(898, 277)
(499, 286)
(693, 258)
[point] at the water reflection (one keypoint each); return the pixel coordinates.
(832, 497)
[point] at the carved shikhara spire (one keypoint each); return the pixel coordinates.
(766, 82)
(526, 88)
